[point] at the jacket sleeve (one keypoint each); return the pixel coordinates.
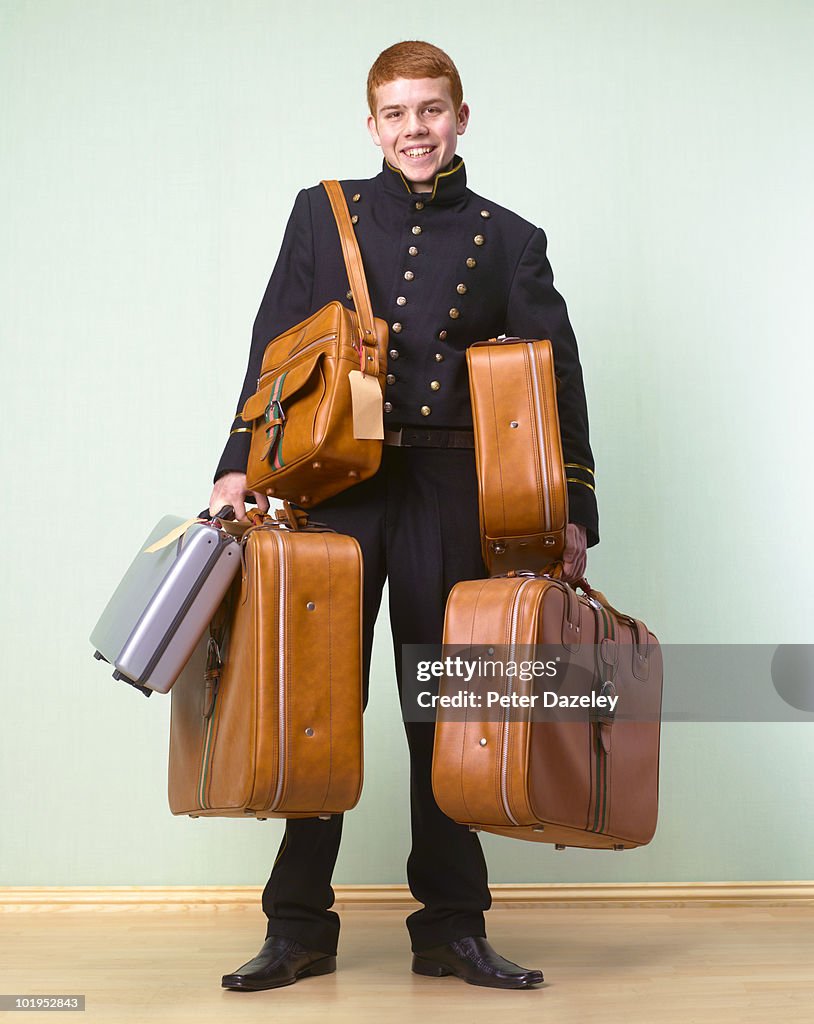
(537, 310)
(286, 302)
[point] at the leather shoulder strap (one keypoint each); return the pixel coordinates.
(354, 266)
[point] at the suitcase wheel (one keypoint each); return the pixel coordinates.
(99, 656)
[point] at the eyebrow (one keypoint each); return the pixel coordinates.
(400, 106)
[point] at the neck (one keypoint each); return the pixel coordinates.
(427, 186)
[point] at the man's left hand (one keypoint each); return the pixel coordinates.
(575, 557)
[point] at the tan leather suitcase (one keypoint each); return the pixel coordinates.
(271, 726)
(522, 492)
(587, 779)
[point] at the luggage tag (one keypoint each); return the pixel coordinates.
(366, 401)
(228, 524)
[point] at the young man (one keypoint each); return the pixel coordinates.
(445, 268)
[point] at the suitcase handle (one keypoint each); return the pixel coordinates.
(640, 630)
(227, 512)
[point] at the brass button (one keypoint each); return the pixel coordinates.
(354, 218)
(396, 328)
(439, 357)
(454, 313)
(462, 289)
(435, 385)
(425, 410)
(408, 275)
(471, 262)
(356, 198)
(413, 251)
(349, 294)
(393, 353)
(442, 335)
(416, 229)
(486, 214)
(388, 406)
(419, 205)
(401, 301)
(478, 239)
(390, 378)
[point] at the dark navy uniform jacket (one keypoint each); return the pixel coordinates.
(444, 269)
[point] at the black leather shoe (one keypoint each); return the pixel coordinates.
(474, 960)
(280, 962)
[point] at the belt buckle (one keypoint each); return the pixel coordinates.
(393, 437)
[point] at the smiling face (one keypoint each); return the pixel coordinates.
(417, 127)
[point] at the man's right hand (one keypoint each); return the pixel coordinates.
(230, 489)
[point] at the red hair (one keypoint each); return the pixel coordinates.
(413, 59)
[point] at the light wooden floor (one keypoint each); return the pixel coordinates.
(605, 965)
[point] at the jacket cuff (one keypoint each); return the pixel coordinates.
(235, 456)
(582, 508)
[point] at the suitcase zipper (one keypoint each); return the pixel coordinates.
(538, 410)
(205, 757)
(601, 808)
(504, 766)
(281, 668)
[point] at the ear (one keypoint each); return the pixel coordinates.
(371, 127)
(463, 119)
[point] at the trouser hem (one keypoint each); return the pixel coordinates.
(314, 941)
(421, 941)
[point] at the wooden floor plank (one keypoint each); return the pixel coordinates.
(680, 965)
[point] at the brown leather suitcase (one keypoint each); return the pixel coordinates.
(588, 779)
(522, 492)
(270, 724)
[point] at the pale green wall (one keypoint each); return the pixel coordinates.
(150, 155)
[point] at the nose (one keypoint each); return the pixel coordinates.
(415, 126)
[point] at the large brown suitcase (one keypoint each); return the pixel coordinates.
(522, 491)
(586, 779)
(270, 725)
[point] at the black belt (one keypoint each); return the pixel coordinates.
(429, 437)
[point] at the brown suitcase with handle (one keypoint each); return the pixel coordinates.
(585, 779)
(522, 492)
(270, 725)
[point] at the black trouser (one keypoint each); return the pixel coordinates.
(416, 521)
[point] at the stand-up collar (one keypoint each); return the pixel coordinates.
(448, 185)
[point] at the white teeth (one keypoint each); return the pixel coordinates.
(419, 152)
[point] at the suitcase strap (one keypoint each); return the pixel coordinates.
(639, 628)
(356, 278)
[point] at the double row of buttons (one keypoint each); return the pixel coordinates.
(454, 313)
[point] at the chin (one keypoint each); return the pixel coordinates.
(419, 177)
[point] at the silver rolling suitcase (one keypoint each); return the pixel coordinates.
(164, 603)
